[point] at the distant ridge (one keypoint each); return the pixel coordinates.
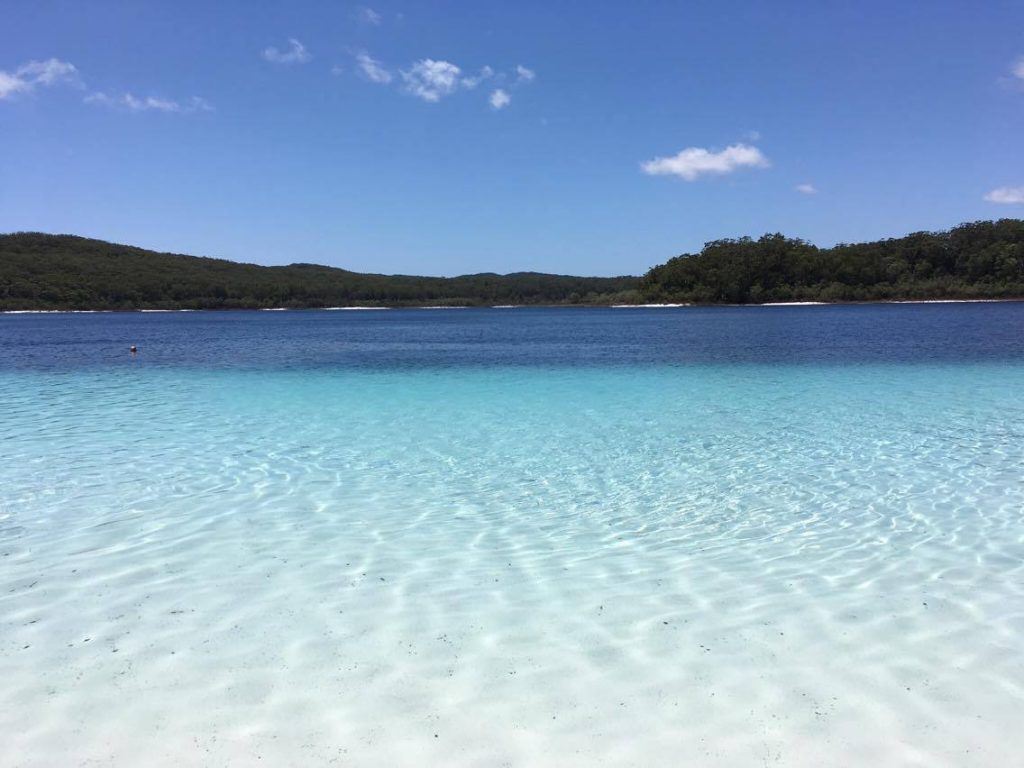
(41, 271)
(979, 260)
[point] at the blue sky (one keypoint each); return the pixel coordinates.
(455, 137)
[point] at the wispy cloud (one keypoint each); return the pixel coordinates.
(693, 162)
(435, 79)
(132, 103)
(39, 74)
(1013, 80)
(486, 73)
(367, 15)
(375, 72)
(1006, 195)
(430, 79)
(32, 74)
(295, 54)
(806, 189)
(499, 99)
(524, 75)
(1017, 70)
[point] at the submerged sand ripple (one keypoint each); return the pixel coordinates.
(771, 568)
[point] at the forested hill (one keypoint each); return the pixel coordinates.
(984, 259)
(979, 260)
(39, 271)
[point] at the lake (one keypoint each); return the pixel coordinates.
(693, 536)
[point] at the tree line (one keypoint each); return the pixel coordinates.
(41, 271)
(983, 259)
(978, 260)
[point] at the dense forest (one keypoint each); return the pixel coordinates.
(39, 271)
(979, 260)
(984, 259)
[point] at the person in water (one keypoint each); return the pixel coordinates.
(133, 349)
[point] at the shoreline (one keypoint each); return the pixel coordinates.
(512, 306)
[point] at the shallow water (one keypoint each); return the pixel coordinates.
(773, 536)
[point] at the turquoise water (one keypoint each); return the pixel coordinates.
(628, 537)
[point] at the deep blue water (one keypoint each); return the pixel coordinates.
(915, 333)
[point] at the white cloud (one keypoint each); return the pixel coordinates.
(296, 53)
(11, 84)
(499, 99)
(150, 102)
(806, 189)
(36, 73)
(373, 69)
(47, 72)
(430, 79)
(693, 162)
(1018, 68)
(33, 74)
(524, 75)
(134, 103)
(433, 79)
(369, 16)
(1006, 195)
(472, 82)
